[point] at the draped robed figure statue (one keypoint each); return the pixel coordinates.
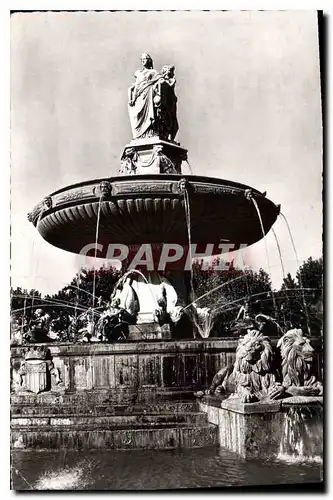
(152, 102)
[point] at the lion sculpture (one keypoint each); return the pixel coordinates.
(252, 377)
(297, 364)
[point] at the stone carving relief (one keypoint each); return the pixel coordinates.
(37, 372)
(166, 166)
(128, 163)
(73, 195)
(253, 376)
(181, 186)
(105, 189)
(38, 210)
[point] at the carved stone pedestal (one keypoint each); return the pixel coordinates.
(149, 331)
(288, 428)
(152, 156)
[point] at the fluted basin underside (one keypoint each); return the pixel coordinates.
(152, 209)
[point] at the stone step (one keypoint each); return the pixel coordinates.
(86, 408)
(170, 437)
(121, 396)
(51, 420)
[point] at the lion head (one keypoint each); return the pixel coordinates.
(254, 373)
(297, 359)
(252, 377)
(254, 353)
(105, 190)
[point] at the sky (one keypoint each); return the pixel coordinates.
(249, 110)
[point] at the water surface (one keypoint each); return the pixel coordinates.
(152, 470)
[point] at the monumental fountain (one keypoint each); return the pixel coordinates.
(135, 385)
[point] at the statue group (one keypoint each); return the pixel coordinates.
(152, 103)
(260, 373)
(108, 322)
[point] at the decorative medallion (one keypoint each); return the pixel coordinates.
(36, 368)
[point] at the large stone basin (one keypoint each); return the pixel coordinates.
(151, 209)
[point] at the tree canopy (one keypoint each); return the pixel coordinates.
(298, 302)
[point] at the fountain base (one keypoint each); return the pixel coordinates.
(127, 395)
(161, 426)
(261, 430)
(136, 392)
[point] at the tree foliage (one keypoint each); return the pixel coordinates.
(298, 302)
(234, 287)
(70, 301)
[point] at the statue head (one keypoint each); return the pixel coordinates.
(38, 312)
(248, 193)
(115, 303)
(168, 71)
(254, 365)
(105, 190)
(146, 60)
(47, 202)
(297, 357)
(183, 185)
(251, 348)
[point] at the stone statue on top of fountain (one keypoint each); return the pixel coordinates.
(152, 103)
(168, 109)
(152, 109)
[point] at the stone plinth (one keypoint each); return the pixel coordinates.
(152, 156)
(149, 331)
(270, 429)
(235, 405)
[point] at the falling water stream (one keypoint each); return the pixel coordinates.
(37, 262)
(49, 301)
(96, 241)
(280, 254)
(254, 201)
(203, 332)
(189, 166)
(82, 308)
(214, 290)
(239, 300)
(302, 438)
(189, 238)
(188, 224)
(298, 265)
(283, 271)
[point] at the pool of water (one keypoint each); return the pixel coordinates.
(152, 470)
